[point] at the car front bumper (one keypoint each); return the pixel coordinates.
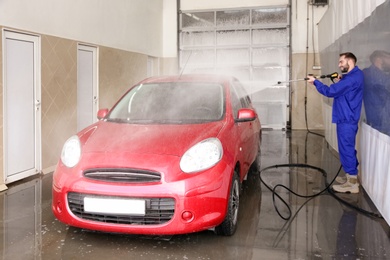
(194, 203)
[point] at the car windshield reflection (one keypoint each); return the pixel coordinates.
(170, 103)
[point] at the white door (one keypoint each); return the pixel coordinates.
(87, 86)
(22, 115)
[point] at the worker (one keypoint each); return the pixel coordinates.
(347, 96)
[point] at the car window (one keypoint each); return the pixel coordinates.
(186, 102)
(240, 98)
(236, 103)
(242, 94)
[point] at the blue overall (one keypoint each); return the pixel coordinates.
(347, 97)
(376, 97)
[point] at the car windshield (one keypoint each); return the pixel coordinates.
(170, 103)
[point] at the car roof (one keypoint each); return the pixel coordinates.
(189, 78)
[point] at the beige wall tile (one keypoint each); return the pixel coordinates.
(118, 70)
(59, 100)
(298, 91)
(169, 66)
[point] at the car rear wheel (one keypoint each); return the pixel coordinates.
(256, 165)
(229, 225)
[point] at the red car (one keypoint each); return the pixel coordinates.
(168, 158)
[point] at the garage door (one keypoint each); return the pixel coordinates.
(251, 44)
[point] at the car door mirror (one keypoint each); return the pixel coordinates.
(246, 115)
(102, 113)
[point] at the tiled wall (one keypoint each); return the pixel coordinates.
(59, 95)
(298, 89)
(118, 70)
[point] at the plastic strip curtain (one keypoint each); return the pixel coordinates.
(375, 165)
(342, 16)
(363, 27)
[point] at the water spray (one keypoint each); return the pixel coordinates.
(332, 76)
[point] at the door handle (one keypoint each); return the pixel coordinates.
(37, 104)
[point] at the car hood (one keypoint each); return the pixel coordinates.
(109, 137)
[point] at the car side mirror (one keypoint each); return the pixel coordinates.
(246, 115)
(102, 113)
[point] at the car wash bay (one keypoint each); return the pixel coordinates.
(319, 228)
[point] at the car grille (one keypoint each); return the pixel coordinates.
(158, 211)
(123, 175)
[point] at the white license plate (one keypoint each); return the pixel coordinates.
(114, 206)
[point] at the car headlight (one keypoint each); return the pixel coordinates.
(71, 152)
(202, 156)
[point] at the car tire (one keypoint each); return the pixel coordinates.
(256, 165)
(229, 224)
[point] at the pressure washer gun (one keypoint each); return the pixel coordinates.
(332, 77)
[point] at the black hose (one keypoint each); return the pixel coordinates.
(326, 189)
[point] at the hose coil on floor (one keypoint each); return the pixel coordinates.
(326, 190)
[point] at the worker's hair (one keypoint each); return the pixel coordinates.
(349, 55)
(378, 54)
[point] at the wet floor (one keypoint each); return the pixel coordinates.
(304, 228)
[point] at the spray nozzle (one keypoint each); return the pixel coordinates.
(334, 75)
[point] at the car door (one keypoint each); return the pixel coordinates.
(245, 129)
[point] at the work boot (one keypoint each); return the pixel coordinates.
(343, 179)
(350, 186)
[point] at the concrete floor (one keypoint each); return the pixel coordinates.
(319, 228)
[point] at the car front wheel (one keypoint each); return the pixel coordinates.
(229, 225)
